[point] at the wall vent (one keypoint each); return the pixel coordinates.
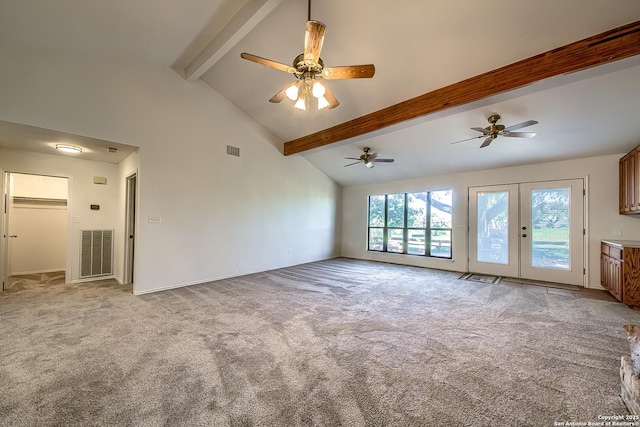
(233, 151)
(96, 253)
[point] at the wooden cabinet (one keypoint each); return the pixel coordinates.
(620, 270)
(630, 183)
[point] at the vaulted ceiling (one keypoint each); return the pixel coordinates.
(417, 47)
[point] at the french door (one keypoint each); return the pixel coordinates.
(532, 230)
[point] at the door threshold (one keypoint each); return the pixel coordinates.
(542, 283)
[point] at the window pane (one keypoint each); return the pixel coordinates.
(395, 210)
(550, 228)
(416, 242)
(417, 210)
(441, 209)
(395, 243)
(376, 211)
(493, 227)
(404, 223)
(441, 243)
(376, 236)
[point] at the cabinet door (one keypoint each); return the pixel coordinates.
(616, 279)
(624, 200)
(632, 180)
(604, 271)
(637, 178)
(630, 277)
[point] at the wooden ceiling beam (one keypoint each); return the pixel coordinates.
(619, 43)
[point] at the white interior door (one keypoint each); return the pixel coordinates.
(4, 225)
(130, 229)
(529, 230)
(7, 234)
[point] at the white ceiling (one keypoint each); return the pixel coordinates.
(38, 140)
(416, 46)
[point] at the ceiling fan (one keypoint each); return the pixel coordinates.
(368, 159)
(308, 68)
(495, 130)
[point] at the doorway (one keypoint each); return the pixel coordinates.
(35, 224)
(532, 230)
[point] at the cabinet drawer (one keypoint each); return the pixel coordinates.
(604, 249)
(615, 252)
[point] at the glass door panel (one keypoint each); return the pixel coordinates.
(493, 227)
(550, 228)
(493, 242)
(552, 231)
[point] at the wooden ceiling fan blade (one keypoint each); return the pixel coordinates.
(521, 125)
(332, 100)
(269, 63)
(313, 39)
(282, 94)
(520, 134)
(351, 164)
(486, 142)
(349, 72)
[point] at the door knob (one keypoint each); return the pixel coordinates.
(524, 235)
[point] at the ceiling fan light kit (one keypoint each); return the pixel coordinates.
(368, 159)
(308, 68)
(307, 92)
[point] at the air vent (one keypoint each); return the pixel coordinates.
(96, 253)
(233, 151)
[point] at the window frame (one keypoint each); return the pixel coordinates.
(427, 229)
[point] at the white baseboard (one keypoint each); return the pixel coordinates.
(20, 273)
(93, 279)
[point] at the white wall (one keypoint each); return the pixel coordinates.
(39, 186)
(602, 217)
(82, 193)
(220, 215)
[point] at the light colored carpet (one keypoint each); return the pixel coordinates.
(339, 342)
(20, 282)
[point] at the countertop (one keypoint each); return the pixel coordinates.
(623, 243)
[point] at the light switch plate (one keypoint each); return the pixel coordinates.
(155, 219)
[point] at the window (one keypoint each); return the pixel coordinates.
(411, 223)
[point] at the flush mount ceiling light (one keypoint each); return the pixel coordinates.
(71, 149)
